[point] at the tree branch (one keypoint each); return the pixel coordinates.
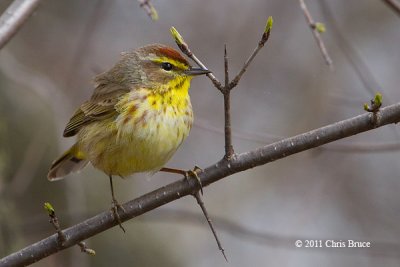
(204, 210)
(226, 89)
(273, 240)
(185, 49)
(14, 17)
(261, 43)
(394, 5)
(361, 69)
(227, 110)
(317, 36)
(215, 172)
(149, 8)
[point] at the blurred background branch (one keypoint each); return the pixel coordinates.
(14, 17)
(149, 8)
(394, 4)
(360, 68)
(316, 29)
(347, 189)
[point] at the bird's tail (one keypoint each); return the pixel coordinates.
(70, 161)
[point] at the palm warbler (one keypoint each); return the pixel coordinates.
(137, 117)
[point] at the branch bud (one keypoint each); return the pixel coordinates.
(90, 251)
(49, 208)
(378, 99)
(153, 13)
(320, 27)
(267, 31)
(376, 103)
(179, 41)
(268, 26)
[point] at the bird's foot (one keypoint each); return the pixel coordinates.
(114, 208)
(195, 173)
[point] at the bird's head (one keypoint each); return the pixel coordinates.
(156, 67)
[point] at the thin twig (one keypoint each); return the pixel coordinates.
(211, 76)
(215, 172)
(227, 110)
(316, 34)
(244, 233)
(149, 8)
(360, 67)
(225, 90)
(61, 237)
(185, 49)
(203, 208)
(14, 17)
(261, 43)
(54, 221)
(85, 249)
(228, 139)
(394, 5)
(226, 67)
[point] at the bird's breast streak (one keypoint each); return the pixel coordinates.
(150, 129)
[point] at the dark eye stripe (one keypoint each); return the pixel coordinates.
(166, 66)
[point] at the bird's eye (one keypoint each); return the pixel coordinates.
(166, 66)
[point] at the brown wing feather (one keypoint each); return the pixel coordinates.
(110, 86)
(99, 108)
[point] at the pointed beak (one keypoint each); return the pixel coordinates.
(196, 71)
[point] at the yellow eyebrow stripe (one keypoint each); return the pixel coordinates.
(176, 63)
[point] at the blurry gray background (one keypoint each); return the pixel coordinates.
(46, 72)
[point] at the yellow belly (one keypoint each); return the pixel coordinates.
(144, 136)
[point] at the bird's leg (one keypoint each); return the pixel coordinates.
(186, 174)
(116, 205)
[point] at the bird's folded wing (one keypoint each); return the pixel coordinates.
(98, 108)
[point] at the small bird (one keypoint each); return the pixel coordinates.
(139, 114)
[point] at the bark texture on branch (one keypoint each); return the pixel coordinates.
(223, 168)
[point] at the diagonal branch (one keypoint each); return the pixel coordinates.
(394, 5)
(204, 210)
(270, 239)
(261, 43)
(149, 8)
(317, 36)
(186, 50)
(359, 66)
(14, 17)
(215, 172)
